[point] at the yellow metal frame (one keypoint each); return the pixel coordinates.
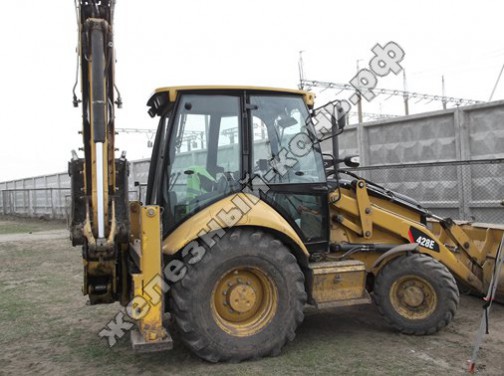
(398, 227)
(365, 211)
(172, 91)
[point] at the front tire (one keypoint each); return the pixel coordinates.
(243, 300)
(416, 294)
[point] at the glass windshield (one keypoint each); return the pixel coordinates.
(283, 151)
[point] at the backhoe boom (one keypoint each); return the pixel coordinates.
(99, 215)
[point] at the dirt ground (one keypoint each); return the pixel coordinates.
(47, 328)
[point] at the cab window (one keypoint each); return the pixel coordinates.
(203, 165)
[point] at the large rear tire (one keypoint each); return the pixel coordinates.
(416, 294)
(243, 300)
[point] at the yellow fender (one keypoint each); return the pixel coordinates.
(240, 209)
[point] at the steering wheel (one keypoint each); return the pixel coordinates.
(221, 185)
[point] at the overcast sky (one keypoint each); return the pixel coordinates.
(163, 43)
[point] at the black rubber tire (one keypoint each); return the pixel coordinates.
(190, 298)
(432, 271)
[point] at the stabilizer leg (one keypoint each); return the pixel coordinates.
(149, 287)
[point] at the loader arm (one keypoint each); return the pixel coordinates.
(468, 250)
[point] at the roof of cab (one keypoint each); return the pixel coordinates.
(172, 91)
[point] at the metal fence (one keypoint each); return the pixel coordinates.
(466, 190)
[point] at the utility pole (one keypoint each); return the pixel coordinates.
(405, 96)
(444, 92)
(496, 83)
(301, 70)
(359, 96)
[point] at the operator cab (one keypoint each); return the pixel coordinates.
(215, 141)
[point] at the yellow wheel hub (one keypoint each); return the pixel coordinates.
(244, 301)
(413, 297)
(241, 298)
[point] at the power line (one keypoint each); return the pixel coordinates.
(135, 130)
(372, 115)
(148, 132)
(392, 92)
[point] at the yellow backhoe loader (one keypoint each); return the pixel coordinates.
(246, 221)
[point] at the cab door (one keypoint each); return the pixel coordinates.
(203, 154)
(289, 165)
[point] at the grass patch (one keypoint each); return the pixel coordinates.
(46, 328)
(16, 228)
(9, 225)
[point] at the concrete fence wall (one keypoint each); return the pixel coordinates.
(423, 156)
(465, 133)
(412, 155)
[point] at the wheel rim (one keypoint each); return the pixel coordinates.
(413, 297)
(244, 301)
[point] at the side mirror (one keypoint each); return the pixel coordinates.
(328, 160)
(342, 119)
(262, 164)
(338, 119)
(352, 161)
